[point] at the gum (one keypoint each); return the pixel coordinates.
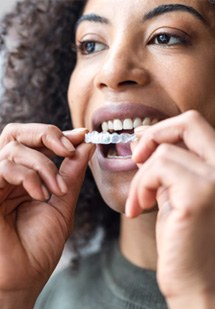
(106, 138)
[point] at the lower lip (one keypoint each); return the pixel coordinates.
(114, 164)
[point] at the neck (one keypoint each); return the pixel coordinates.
(137, 240)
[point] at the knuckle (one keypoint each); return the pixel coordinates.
(193, 116)
(13, 145)
(11, 149)
(49, 131)
(7, 133)
(52, 129)
(160, 163)
(4, 164)
(10, 127)
(30, 175)
(163, 151)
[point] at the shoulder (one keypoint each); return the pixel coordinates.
(70, 288)
(104, 280)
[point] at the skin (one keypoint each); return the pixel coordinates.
(104, 83)
(36, 204)
(174, 80)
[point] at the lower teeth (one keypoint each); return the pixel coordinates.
(118, 157)
(112, 154)
(108, 138)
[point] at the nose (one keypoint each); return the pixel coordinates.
(122, 68)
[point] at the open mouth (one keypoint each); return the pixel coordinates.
(121, 118)
(116, 151)
(122, 129)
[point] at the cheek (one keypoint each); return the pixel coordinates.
(84, 97)
(79, 93)
(191, 85)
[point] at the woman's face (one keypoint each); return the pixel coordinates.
(139, 60)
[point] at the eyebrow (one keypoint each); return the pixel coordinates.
(93, 18)
(162, 9)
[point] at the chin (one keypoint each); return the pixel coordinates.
(114, 199)
(114, 188)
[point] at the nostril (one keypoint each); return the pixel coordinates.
(127, 83)
(120, 84)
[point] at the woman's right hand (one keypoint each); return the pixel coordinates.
(37, 203)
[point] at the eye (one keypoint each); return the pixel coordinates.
(168, 39)
(90, 47)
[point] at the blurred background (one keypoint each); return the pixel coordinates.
(6, 5)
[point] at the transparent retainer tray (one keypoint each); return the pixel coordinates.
(108, 138)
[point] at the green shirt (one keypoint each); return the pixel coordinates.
(105, 280)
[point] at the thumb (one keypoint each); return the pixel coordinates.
(73, 171)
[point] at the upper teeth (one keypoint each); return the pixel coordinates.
(126, 124)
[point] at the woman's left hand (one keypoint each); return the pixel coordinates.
(176, 160)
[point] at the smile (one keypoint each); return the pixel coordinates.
(112, 126)
(126, 124)
(121, 130)
(109, 129)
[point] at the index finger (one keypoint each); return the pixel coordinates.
(37, 135)
(190, 128)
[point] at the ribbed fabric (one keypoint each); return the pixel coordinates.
(105, 280)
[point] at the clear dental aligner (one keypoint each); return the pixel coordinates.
(108, 138)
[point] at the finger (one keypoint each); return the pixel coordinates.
(190, 127)
(182, 186)
(40, 135)
(185, 158)
(76, 136)
(179, 156)
(14, 174)
(36, 161)
(136, 202)
(73, 171)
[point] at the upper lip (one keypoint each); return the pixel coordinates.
(124, 110)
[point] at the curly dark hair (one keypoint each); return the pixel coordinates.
(36, 41)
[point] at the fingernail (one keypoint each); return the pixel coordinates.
(80, 130)
(62, 185)
(67, 144)
(45, 192)
(76, 131)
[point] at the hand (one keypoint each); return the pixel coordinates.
(182, 182)
(33, 230)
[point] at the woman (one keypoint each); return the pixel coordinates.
(149, 65)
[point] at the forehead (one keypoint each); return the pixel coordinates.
(119, 3)
(129, 8)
